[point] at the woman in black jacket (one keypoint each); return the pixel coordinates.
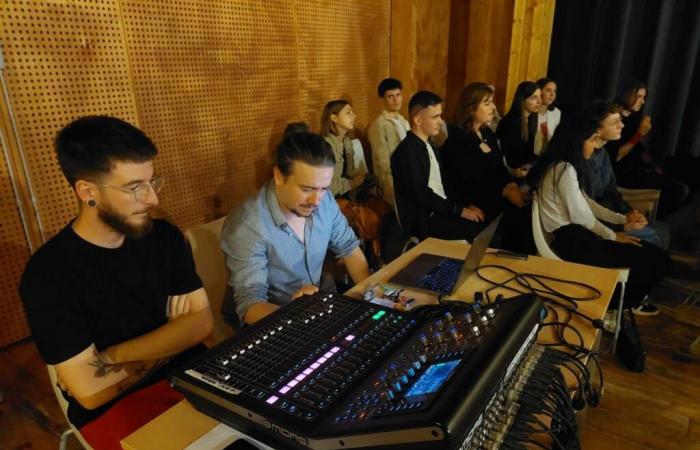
(476, 174)
(516, 130)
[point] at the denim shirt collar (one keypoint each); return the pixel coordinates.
(273, 205)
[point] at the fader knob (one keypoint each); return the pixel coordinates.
(475, 331)
(468, 318)
(491, 313)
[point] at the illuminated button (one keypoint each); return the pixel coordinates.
(272, 399)
(349, 337)
(284, 389)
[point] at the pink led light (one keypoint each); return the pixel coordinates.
(272, 399)
(335, 349)
(308, 371)
(349, 337)
(315, 365)
(284, 389)
(292, 383)
(328, 355)
(300, 377)
(322, 359)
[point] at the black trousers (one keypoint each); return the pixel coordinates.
(648, 264)
(442, 226)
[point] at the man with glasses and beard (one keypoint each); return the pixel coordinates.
(113, 300)
(275, 243)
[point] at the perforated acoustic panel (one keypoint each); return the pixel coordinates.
(14, 253)
(212, 82)
(216, 82)
(64, 60)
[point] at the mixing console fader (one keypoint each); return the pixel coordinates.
(328, 371)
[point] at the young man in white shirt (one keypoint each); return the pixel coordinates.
(386, 132)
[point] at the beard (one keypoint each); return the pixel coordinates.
(119, 223)
(297, 212)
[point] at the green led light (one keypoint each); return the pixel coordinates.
(378, 315)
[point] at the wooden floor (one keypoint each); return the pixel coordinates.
(656, 410)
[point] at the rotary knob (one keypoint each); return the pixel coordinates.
(475, 331)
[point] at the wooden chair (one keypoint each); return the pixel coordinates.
(542, 240)
(211, 268)
(63, 442)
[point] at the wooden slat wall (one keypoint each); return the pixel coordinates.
(419, 45)
(529, 49)
(212, 82)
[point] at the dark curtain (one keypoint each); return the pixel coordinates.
(597, 45)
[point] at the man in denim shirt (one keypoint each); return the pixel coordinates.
(275, 243)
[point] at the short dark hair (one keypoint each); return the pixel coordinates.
(422, 100)
(296, 127)
(306, 147)
(388, 84)
(88, 147)
(599, 110)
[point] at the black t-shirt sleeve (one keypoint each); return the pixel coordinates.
(183, 276)
(59, 325)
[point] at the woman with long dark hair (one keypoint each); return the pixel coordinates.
(475, 173)
(634, 166)
(516, 130)
(576, 221)
(548, 117)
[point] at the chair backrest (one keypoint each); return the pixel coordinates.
(64, 404)
(211, 268)
(646, 201)
(538, 232)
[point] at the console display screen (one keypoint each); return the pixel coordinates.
(432, 379)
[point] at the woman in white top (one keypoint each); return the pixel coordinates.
(548, 117)
(576, 221)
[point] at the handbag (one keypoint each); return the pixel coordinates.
(630, 349)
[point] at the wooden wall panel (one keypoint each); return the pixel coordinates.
(419, 45)
(480, 37)
(14, 253)
(216, 83)
(212, 82)
(529, 51)
(64, 60)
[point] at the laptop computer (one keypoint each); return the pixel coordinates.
(444, 275)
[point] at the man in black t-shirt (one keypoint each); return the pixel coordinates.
(114, 297)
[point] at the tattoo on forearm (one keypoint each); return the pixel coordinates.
(101, 368)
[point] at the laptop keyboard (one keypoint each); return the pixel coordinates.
(442, 277)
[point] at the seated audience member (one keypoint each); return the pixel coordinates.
(385, 133)
(475, 173)
(603, 185)
(548, 117)
(493, 125)
(576, 220)
(113, 300)
(337, 121)
(275, 243)
(633, 164)
(295, 127)
(516, 130)
(423, 208)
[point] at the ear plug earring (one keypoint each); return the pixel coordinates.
(92, 203)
